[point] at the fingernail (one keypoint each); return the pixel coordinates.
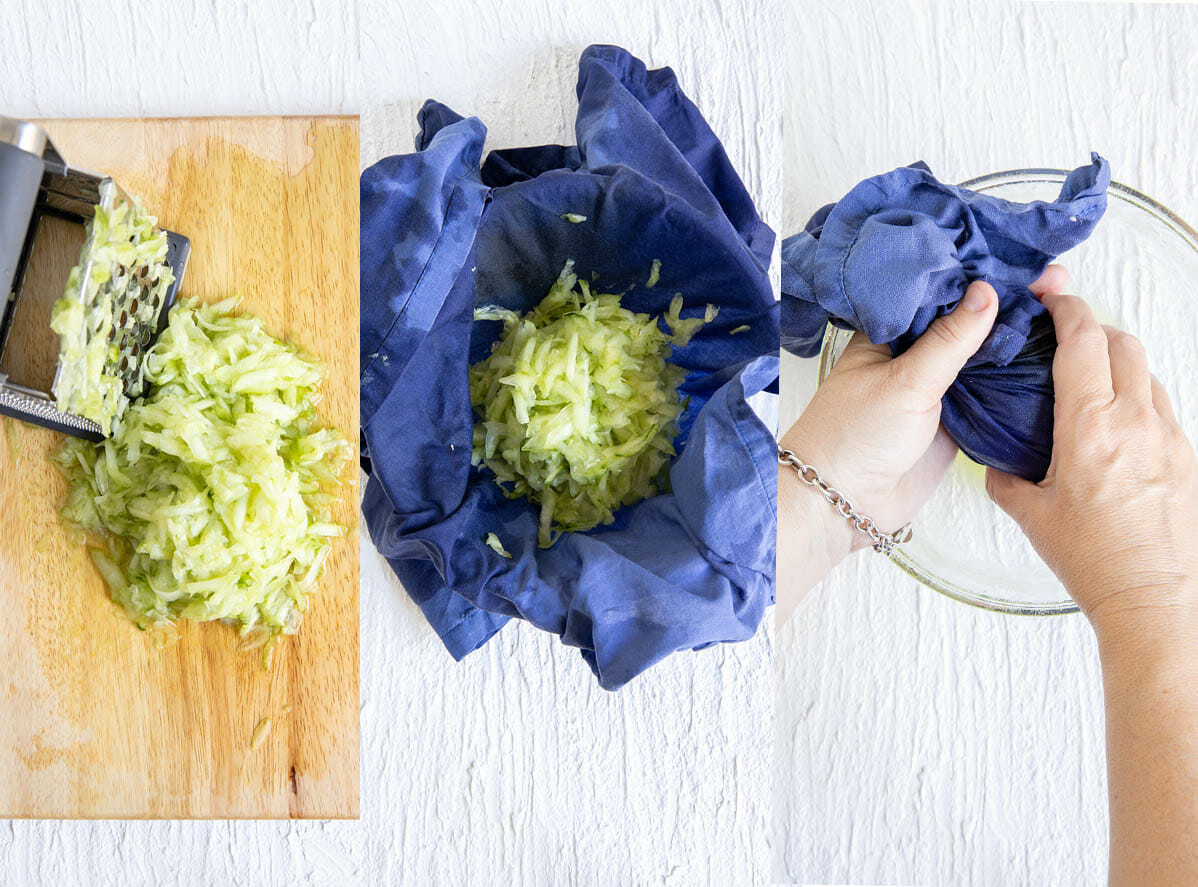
(977, 298)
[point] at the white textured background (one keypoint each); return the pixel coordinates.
(920, 741)
(512, 766)
(178, 58)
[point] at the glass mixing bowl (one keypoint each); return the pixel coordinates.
(1139, 271)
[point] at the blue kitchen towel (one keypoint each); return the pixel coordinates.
(441, 235)
(899, 250)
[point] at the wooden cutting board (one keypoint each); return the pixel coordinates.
(95, 719)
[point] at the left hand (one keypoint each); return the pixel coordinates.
(873, 432)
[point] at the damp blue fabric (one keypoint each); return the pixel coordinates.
(899, 250)
(442, 233)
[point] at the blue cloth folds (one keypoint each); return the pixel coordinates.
(900, 249)
(442, 234)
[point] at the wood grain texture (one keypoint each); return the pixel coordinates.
(95, 719)
(918, 740)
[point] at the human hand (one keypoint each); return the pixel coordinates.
(872, 430)
(1115, 515)
(1114, 519)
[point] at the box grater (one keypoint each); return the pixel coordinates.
(122, 304)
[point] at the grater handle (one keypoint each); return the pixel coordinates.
(20, 177)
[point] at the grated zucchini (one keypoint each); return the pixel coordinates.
(578, 405)
(122, 264)
(495, 545)
(212, 498)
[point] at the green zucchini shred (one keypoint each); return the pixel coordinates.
(654, 274)
(495, 545)
(578, 404)
(213, 496)
(123, 241)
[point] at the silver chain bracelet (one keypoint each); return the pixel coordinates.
(883, 543)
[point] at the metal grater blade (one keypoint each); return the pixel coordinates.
(32, 408)
(116, 302)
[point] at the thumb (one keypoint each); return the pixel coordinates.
(1012, 494)
(933, 362)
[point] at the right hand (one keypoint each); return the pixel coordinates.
(1116, 515)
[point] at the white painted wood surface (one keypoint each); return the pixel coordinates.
(920, 741)
(513, 761)
(178, 58)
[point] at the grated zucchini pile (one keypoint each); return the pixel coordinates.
(578, 403)
(213, 496)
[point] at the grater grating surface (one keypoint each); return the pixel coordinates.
(108, 317)
(36, 409)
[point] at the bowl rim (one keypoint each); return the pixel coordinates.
(983, 183)
(1033, 175)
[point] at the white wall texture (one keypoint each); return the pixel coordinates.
(178, 58)
(920, 741)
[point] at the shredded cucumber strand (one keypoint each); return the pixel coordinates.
(123, 258)
(578, 404)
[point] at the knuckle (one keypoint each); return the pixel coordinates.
(900, 375)
(1127, 341)
(1068, 331)
(906, 389)
(1144, 415)
(944, 331)
(1093, 404)
(1066, 305)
